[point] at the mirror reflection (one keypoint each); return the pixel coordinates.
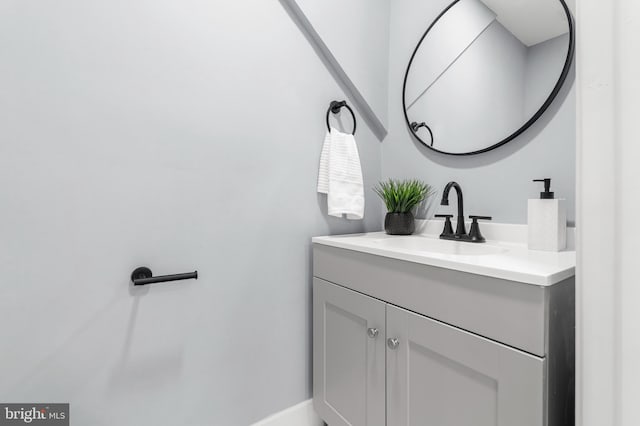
(485, 70)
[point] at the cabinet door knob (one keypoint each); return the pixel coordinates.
(372, 332)
(393, 344)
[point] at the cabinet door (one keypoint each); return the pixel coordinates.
(439, 375)
(348, 356)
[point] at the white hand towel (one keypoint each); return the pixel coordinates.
(340, 176)
(323, 173)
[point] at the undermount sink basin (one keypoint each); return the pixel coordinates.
(437, 246)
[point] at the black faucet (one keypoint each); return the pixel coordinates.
(474, 235)
(460, 227)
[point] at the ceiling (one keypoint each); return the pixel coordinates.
(531, 21)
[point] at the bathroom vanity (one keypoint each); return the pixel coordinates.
(421, 331)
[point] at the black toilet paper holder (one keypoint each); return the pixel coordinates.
(144, 276)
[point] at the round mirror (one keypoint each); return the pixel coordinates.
(485, 71)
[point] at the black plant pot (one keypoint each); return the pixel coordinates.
(399, 223)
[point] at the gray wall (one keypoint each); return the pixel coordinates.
(176, 134)
(497, 183)
(357, 34)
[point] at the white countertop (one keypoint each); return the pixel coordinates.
(499, 259)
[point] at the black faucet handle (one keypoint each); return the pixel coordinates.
(448, 228)
(476, 218)
(474, 233)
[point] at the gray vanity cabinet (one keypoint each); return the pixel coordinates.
(349, 356)
(441, 375)
(397, 343)
(377, 364)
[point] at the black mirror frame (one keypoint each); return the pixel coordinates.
(529, 123)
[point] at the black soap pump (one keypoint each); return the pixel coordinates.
(546, 195)
(547, 220)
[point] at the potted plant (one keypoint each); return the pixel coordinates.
(400, 197)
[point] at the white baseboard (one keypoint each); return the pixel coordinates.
(302, 414)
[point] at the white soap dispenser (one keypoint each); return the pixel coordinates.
(547, 221)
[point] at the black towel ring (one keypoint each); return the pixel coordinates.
(335, 108)
(415, 127)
